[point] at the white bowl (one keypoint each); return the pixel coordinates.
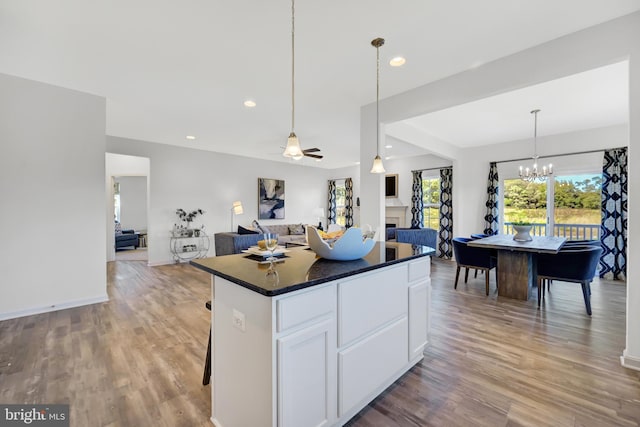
(348, 247)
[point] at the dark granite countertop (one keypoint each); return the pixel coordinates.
(302, 268)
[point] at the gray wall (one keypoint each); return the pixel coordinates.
(52, 215)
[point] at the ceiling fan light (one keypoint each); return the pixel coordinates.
(377, 166)
(293, 149)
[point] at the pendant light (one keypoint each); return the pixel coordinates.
(534, 174)
(377, 161)
(293, 149)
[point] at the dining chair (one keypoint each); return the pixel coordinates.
(571, 264)
(573, 243)
(472, 257)
(477, 236)
(206, 377)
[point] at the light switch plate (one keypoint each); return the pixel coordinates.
(238, 320)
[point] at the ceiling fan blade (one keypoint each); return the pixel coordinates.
(311, 150)
(315, 156)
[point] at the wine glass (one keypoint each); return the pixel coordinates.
(271, 243)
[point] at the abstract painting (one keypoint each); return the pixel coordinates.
(270, 198)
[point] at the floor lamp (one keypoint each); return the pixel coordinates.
(236, 209)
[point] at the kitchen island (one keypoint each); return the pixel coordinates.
(315, 344)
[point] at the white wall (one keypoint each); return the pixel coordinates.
(194, 179)
(593, 47)
(133, 202)
(52, 217)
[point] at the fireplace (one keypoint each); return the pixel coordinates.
(395, 216)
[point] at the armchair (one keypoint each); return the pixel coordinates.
(472, 257)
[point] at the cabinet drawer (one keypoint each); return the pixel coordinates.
(368, 302)
(420, 269)
(299, 308)
(366, 366)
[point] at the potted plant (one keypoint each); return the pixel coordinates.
(523, 228)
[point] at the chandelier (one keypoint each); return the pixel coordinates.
(534, 173)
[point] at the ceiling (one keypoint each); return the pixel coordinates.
(171, 69)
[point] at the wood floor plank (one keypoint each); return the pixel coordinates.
(137, 360)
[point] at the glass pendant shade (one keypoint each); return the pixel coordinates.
(293, 149)
(377, 166)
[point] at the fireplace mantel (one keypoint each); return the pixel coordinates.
(396, 215)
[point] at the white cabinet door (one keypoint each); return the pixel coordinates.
(418, 318)
(307, 393)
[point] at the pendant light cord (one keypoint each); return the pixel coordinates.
(535, 133)
(293, 69)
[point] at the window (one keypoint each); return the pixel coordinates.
(576, 206)
(341, 202)
(431, 202)
(563, 205)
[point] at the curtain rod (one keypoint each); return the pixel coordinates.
(560, 155)
(433, 169)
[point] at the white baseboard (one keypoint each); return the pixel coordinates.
(54, 307)
(157, 263)
(630, 361)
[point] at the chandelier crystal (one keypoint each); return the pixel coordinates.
(534, 173)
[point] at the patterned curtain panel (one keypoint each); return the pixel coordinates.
(613, 229)
(348, 186)
(417, 205)
(331, 207)
(491, 218)
(446, 214)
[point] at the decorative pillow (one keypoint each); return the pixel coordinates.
(296, 229)
(118, 228)
(242, 230)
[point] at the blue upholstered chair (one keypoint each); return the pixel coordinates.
(472, 257)
(581, 243)
(477, 236)
(417, 236)
(572, 264)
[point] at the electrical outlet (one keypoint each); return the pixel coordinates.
(238, 320)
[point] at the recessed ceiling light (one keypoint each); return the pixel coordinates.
(357, 163)
(318, 160)
(191, 137)
(387, 158)
(388, 146)
(249, 103)
(398, 61)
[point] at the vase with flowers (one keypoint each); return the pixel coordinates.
(523, 228)
(186, 218)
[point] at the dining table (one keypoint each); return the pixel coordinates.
(516, 269)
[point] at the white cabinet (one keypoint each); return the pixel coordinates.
(316, 356)
(307, 376)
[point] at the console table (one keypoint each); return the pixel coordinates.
(186, 248)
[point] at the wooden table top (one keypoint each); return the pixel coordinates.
(542, 244)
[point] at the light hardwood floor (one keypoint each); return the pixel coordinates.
(138, 359)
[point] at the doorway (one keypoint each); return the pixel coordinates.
(127, 180)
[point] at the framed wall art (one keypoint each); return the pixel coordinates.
(270, 198)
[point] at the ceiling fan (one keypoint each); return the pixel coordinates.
(309, 153)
